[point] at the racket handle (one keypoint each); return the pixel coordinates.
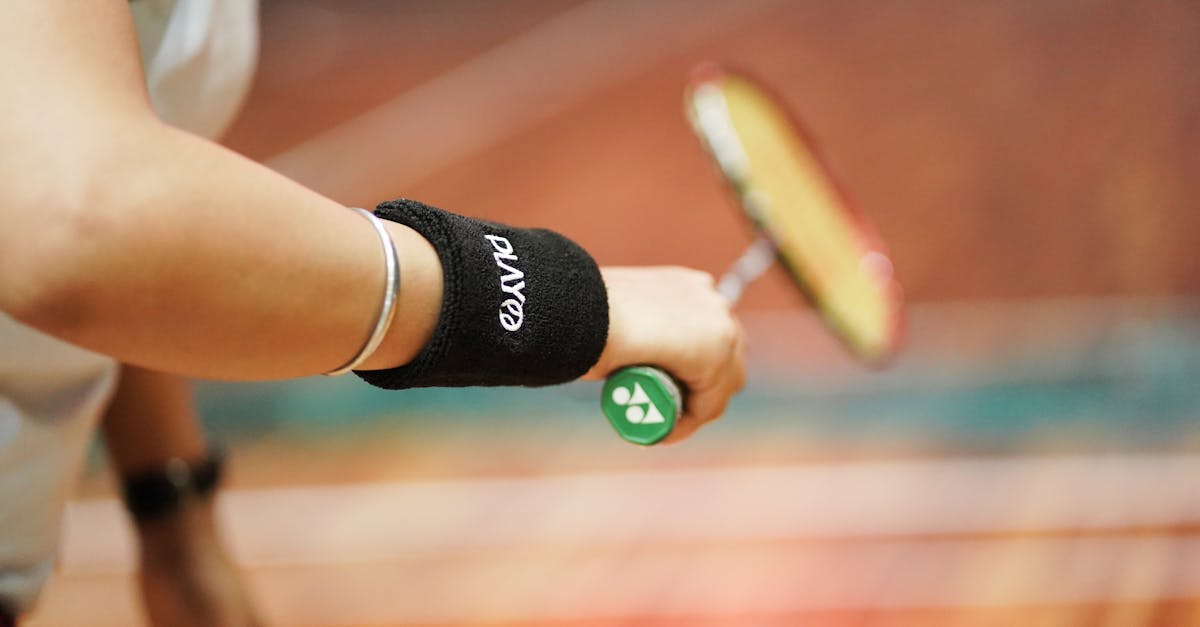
(642, 403)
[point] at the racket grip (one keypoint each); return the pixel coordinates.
(642, 403)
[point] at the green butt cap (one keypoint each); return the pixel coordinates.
(642, 403)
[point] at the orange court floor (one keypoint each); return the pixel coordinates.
(1051, 486)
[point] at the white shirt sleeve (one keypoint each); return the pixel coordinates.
(199, 57)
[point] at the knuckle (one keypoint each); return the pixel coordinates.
(722, 352)
(698, 277)
(717, 363)
(728, 335)
(717, 411)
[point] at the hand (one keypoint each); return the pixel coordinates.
(186, 578)
(674, 318)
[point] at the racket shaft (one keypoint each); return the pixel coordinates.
(751, 265)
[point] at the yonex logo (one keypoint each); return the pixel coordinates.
(639, 409)
(512, 310)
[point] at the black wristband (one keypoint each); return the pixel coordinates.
(155, 493)
(519, 306)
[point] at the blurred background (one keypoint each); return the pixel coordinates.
(1032, 458)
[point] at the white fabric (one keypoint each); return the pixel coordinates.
(199, 57)
(51, 396)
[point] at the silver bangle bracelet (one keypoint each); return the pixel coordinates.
(391, 291)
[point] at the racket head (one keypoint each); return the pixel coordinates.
(785, 187)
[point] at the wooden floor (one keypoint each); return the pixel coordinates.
(778, 515)
(1076, 540)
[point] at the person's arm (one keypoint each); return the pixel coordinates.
(185, 576)
(208, 264)
(164, 250)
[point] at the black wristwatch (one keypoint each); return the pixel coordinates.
(155, 493)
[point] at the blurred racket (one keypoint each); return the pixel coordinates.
(801, 219)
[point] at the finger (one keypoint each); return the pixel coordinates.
(706, 404)
(739, 356)
(684, 428)
(703, 407)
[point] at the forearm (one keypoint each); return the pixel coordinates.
(211, 265)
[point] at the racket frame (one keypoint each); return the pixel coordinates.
(873, 250)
